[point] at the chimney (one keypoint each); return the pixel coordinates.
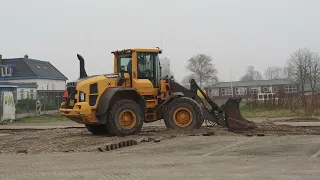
(0, 59)
(26, 56)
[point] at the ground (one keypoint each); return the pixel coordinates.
(66, 150)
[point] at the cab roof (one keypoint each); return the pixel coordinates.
(127, 51)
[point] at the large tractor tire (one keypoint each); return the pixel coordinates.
(183, 113)
(97, 129)
(125, 117)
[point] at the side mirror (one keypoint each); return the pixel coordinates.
(121, 79)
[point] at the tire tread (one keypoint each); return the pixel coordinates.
(187, 100)
(110, 125)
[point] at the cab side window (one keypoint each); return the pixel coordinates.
(126, 61)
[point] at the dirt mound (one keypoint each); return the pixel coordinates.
(80, 140)
(303, 119)
(270, 128)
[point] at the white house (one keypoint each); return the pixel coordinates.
(30, 78)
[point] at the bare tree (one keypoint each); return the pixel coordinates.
(202, 69)
(246, 77)
(314, 73)
(299, 63)
(273, 72)
(286, 73)
(251, 74)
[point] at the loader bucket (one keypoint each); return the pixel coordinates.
(234, 120)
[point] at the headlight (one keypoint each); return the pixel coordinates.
(82, 96)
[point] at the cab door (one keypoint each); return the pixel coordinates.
(147, 68)
(147, 75)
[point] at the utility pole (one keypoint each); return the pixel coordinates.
(161, 47)
(231, 82)
(161, 43)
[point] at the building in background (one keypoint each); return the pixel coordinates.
(165, 67)
(256, 89)
(31, 79)
(20, 90)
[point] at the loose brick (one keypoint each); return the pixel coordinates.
(101, 149)
(133, 142)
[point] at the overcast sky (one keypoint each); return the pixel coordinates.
(236, 33)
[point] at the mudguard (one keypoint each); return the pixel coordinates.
(171, 97)
(108, 96)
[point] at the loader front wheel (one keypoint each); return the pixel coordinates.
(183, 113)
(97, 129)
(124, 118)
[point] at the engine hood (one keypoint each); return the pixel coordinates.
(75, 82)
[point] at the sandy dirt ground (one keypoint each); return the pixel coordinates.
(197, 157)
(67, 150)
(78, 139)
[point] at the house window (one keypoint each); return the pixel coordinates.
(253, 90)
(241, 91)
(266, 89)
(6, 71)
(226, 91)
(21, 94)
(31, 94)
(290, 88)
(274, 89)
(214, 92)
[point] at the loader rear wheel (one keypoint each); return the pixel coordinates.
(97, 129)
(125, 117)
(183, 113)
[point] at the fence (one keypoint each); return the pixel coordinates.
(293, 102)
(25, 101)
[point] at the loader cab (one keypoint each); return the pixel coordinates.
(141, 64)
(149, 67)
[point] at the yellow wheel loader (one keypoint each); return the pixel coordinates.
(136, 93)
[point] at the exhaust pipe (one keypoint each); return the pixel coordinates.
(83, 72)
